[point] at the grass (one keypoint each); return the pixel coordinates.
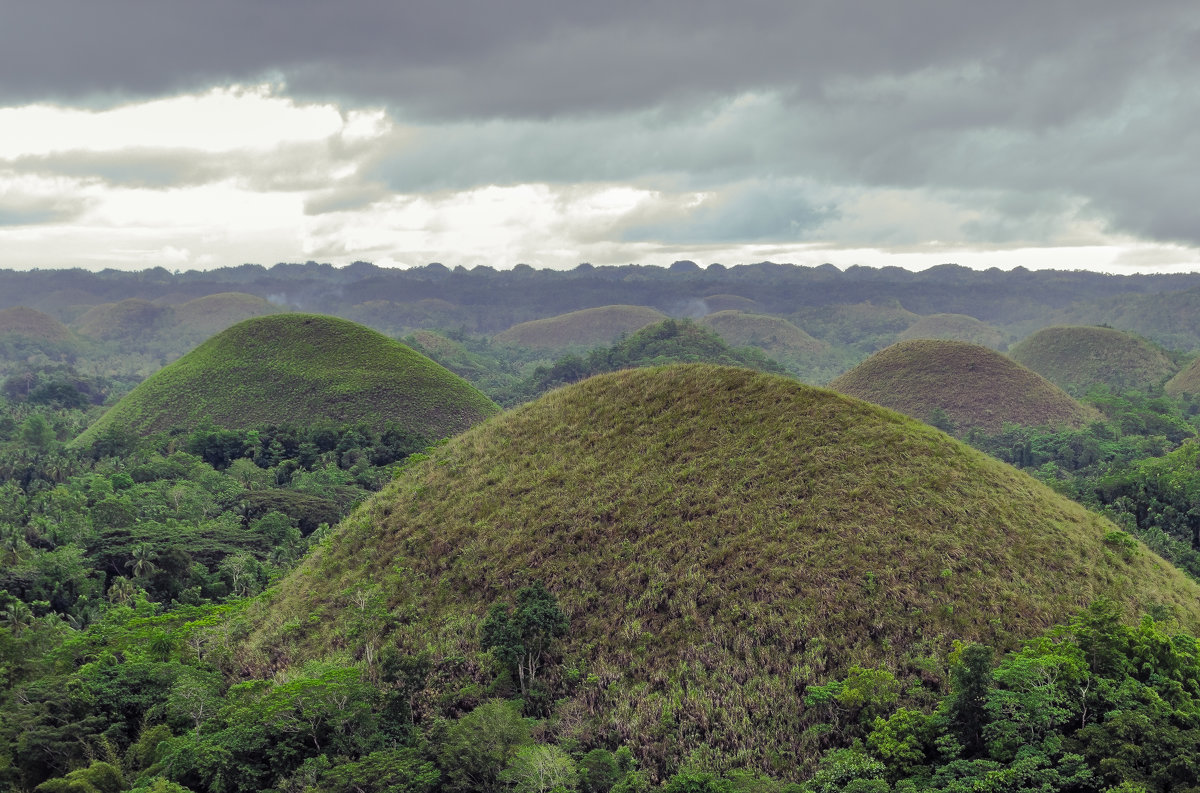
(720, 539)
(1079, 357)
(590, 327)
(214, 313)
(299, 368)
(33, 324)
(773, 335)
(128, 319)
(956, 327)
(973, 387)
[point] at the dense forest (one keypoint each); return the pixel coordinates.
(180, 608)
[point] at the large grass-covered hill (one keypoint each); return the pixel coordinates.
(773, 335)
(958, 327)
(589, 327)
(1079, 357)
(299, 368)
(131, 319)
(721, 541)
(214, 313)
(32, 324)
(969, 385)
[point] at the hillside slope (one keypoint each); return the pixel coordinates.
(214, 313)
(1079, 357)
(589, 327)
(720, 540)
(32, 324)
(299, 368)
(974, 386)
(957, 327)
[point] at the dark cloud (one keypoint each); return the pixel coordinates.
(1035, 116)
(754, 212)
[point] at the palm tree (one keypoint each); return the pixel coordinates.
(142, 563)
(17, 616)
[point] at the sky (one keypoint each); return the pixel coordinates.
(1045, 134)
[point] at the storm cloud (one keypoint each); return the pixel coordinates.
(851, 124)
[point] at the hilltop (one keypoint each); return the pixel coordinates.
(956, 327)
(589, 327)
(129, 319)
(213, 313)
(773, 335)
(974, 387)
(32, 324)
(1079, 357)
(721, 540)
(299, 368)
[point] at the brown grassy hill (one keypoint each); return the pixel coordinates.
(957, 327)
(128, 319)
(1186, 382)
(589, 327)
(974, 386)
(32, 324)
(775, 336)
(214, 313)
(1079, 357)
(720, 539)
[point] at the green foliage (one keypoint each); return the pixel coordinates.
(479, 746)
(521, 637)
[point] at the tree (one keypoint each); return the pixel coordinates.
(142, 561)
(477, 747)
(540, 769)
(520, 638)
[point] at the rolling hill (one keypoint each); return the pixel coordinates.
(721, 540)
(299, 368)
(214, 313)
(128, 319)
(32, 324)
(956, 327)
(773, 335)
(1186, 382)
(974, 387)
(590, 327)
(1079, 357)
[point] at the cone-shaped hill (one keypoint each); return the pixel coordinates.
(128, 319)
(1079, 357)
(776, 336)
(589, 327)
(300, 368)
(975, 387)
(214, 313)
(32, 324)
(719, 539)
(957, 327)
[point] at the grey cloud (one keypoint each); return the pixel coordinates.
(33, 210)
(770, 211)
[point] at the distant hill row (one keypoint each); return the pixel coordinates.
(1011, 304)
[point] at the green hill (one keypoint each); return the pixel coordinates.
(214, 313)
(721, 541)
(972, 386)
(32, 324)
(865, 326)
(299, 368)
(1079, 357)
(590, 327)
(129, 319)
(956, 327)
